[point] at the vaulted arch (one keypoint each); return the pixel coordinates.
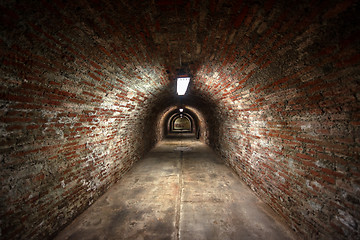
(88, 88)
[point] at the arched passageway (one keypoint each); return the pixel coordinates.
(88, 88)
(181, 123)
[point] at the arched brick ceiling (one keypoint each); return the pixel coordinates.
(224, 45)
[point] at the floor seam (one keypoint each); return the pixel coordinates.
(180, 193)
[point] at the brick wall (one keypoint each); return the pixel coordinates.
(74, 101)
(287, 87)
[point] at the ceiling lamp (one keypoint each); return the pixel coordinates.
(182, 85)
(181, 110)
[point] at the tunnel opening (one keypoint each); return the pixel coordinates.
(181, 123)
(199, 121)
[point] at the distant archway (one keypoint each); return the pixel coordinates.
(198, 124)
(181, 123)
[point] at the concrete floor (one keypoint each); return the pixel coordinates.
(179, 191)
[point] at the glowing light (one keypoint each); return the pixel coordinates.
(181, 110)
(182, 85)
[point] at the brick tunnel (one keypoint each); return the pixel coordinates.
(88, 88)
